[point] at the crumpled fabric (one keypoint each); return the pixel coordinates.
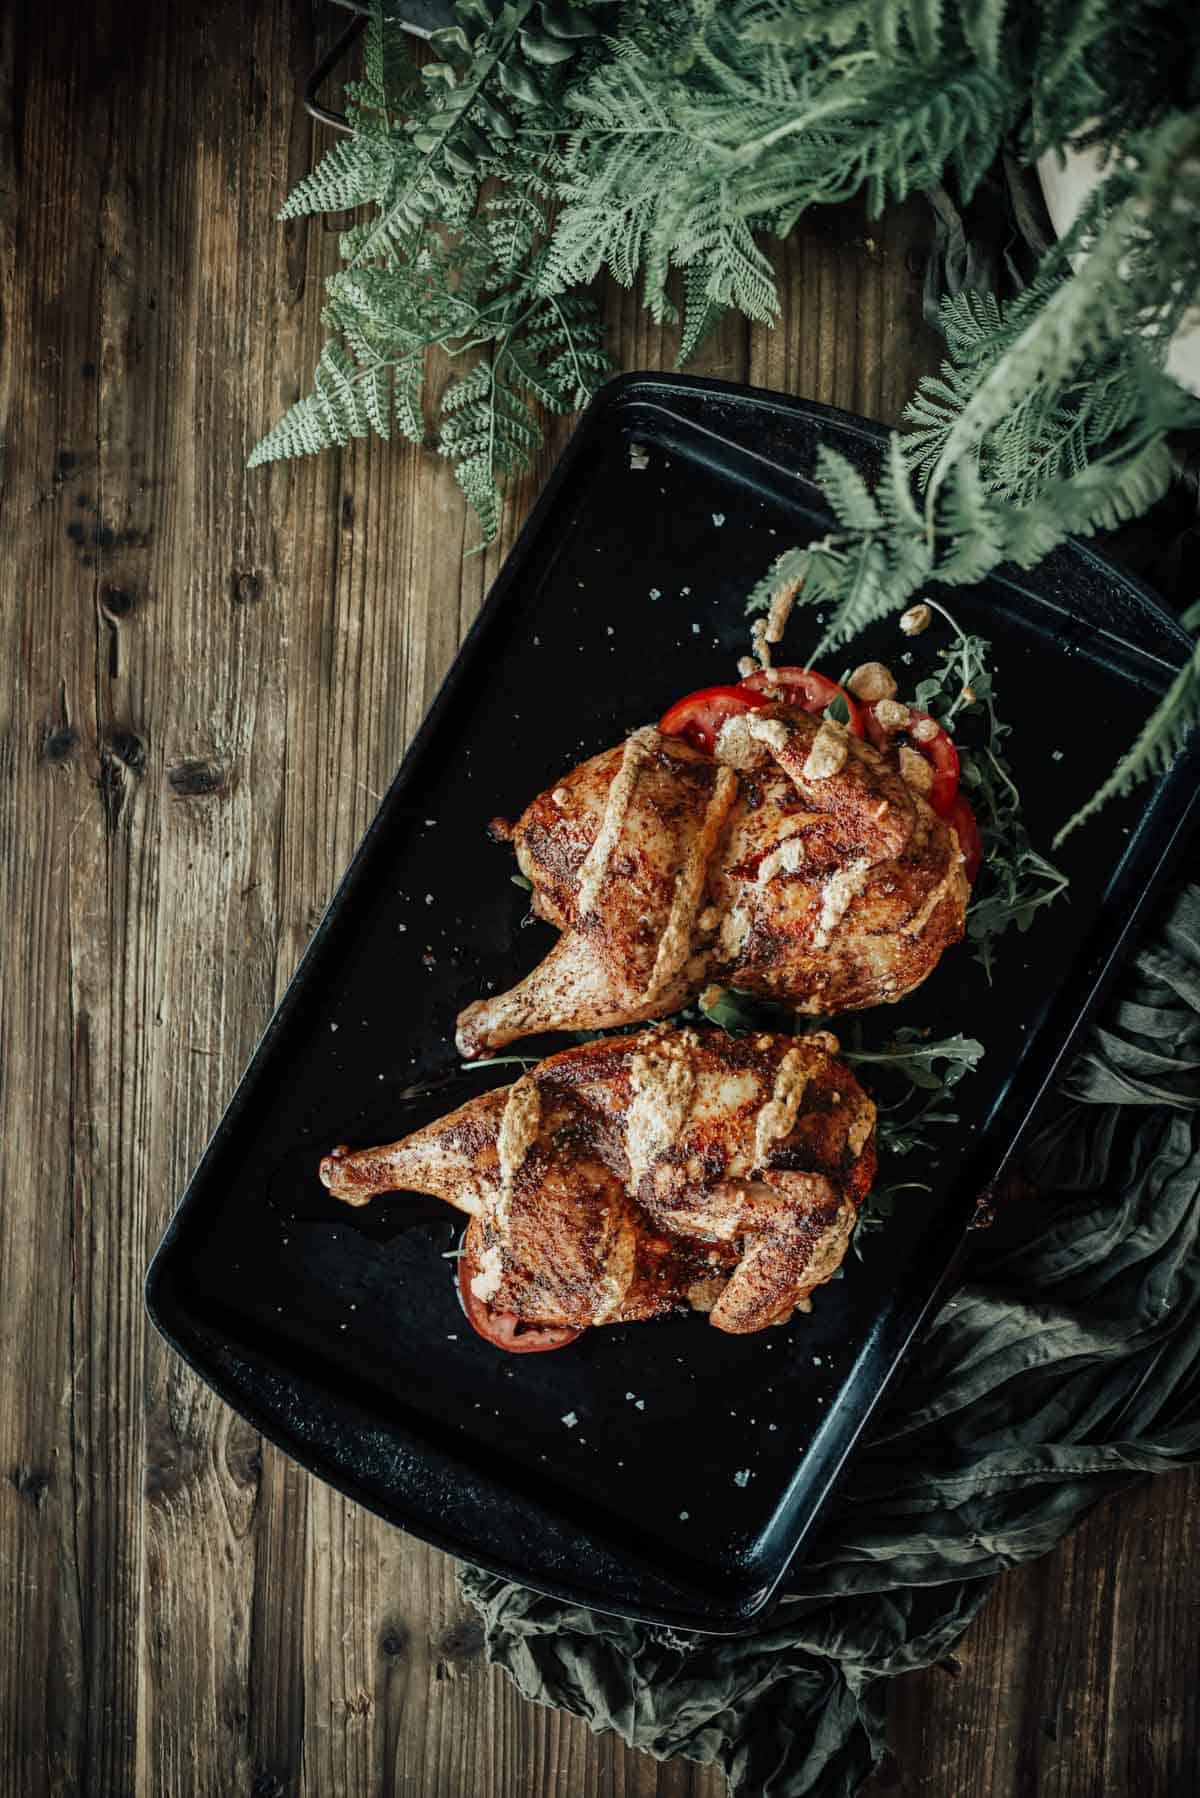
(992, 242)
(1065, 1368)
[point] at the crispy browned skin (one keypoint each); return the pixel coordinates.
(623, 1178)
(830, 892)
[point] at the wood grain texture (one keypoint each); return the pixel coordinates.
(208, 677)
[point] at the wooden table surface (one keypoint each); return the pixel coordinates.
(208, 677)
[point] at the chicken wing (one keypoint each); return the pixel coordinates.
(797, 864)
(629, 1176)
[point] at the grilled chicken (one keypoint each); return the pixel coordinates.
(635, 1174)
(797, 864)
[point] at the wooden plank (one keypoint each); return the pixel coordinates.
(1072, 1681)
(208, 677)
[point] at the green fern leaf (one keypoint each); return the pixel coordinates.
(350, 174)
(331, 415)
(1162, 738)
(894, 495)
(847, 493)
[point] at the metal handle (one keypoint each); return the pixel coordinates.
(324, 70)
(420, 18)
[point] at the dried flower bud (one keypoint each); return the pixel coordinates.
(968, 696)
(871, 681)
(915, 620)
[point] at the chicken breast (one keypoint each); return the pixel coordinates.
(636, 1174)
(796, 864)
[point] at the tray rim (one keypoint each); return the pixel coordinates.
(655, 388)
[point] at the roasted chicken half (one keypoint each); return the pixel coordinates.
(635, 1174)
(796, 862)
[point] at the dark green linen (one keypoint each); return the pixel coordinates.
(1065, 1368)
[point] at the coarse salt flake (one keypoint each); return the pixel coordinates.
(570, 1420)
(742, 1478)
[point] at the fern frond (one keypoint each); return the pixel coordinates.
(849, 496)
(352, 173)
(894, 494)
(700, 311)
(334, 412)
(1115, 295)
(487, 431)
(1161, 739)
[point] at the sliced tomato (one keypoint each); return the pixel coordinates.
(962, 817)
(937, 748)
(504, 1329)
(698, 717)
(805, 688)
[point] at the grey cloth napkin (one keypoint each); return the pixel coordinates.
(1065, 1368)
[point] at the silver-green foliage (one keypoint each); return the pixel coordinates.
(441, 261)
(666, 141)
(1052, 418)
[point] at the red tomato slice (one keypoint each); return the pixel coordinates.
(504, 1329)
(962, 816)
(699, 716)
(805, 688)
(938, 750)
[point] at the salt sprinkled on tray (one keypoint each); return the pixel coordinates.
(742, 1478)
(570, 1420)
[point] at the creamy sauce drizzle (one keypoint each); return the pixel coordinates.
(778, 1115)
(675, 943)
(840, 890)
(916, 925)
(638, 749)
(518, 1132)
(663, 1082)
(786, 858)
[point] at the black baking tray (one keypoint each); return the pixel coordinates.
(696, 1463)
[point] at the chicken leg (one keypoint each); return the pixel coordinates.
(625, 1177)
(797, 864)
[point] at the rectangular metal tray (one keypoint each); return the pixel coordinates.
(698, 1462)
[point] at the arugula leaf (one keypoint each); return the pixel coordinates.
(916, 1056)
